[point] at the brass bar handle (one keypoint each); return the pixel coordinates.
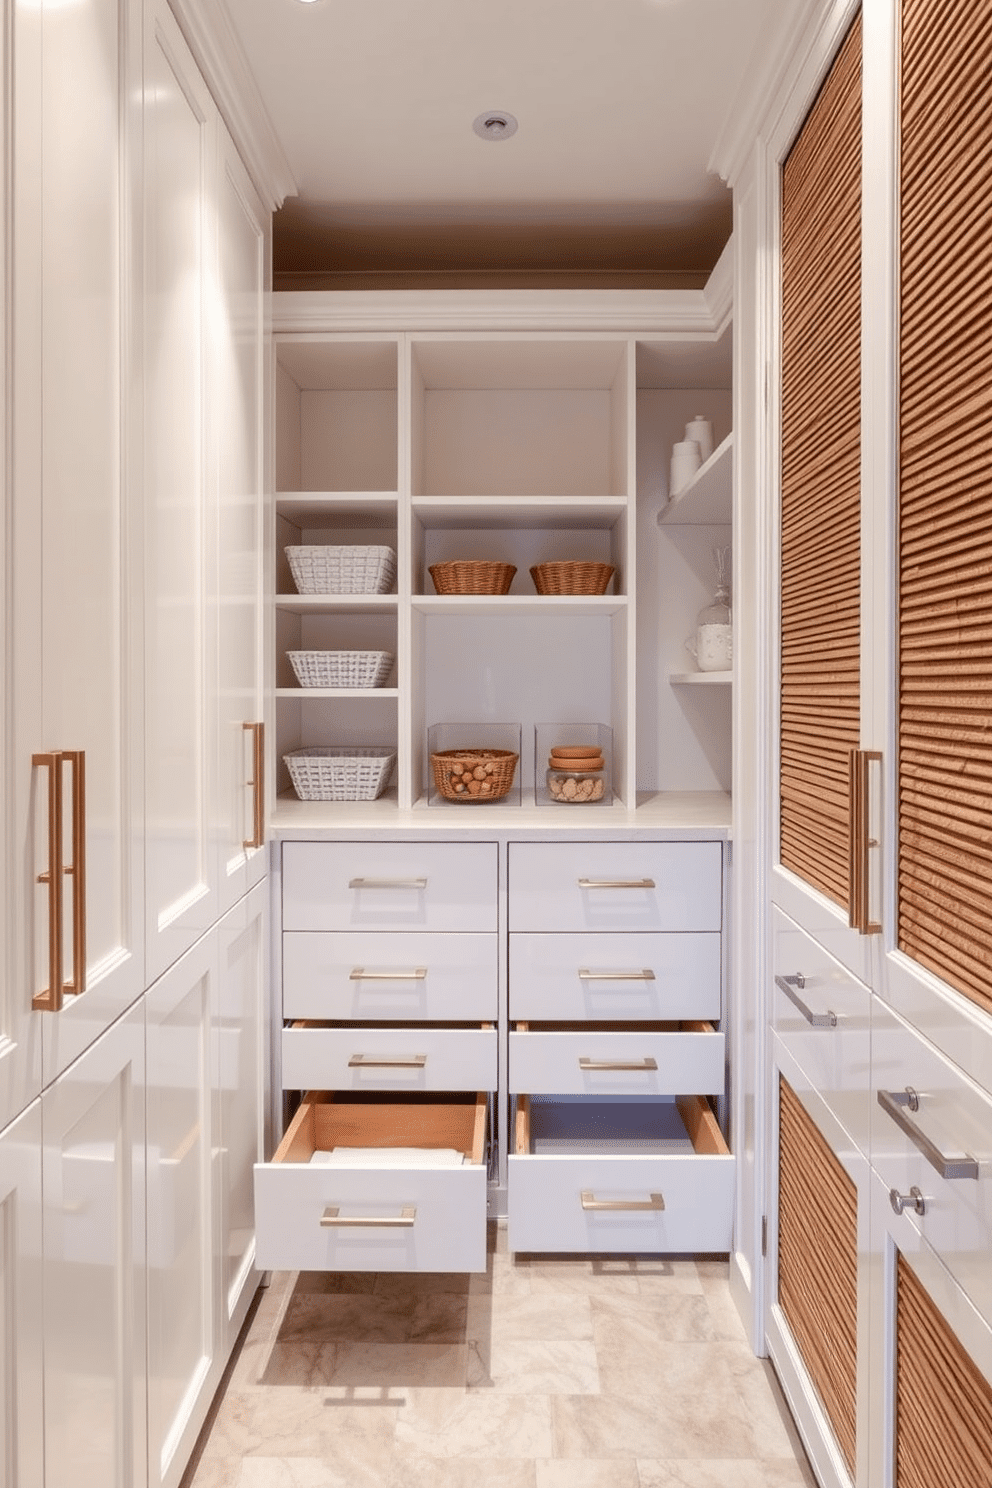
(618, 1064)
(854, 897)
(387, 883)
(359, 974)
(860, 841)
(332, 1218)
(618, 1206)
(616, 883)
(257, 783)
(387, 1061)
(77, 870)
(788, 984)
(897, 1104)
(644, 975)
(50, 1000)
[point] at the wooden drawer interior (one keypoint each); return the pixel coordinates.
(329, 1119)
(818, 1264)
(559, 1126)
(943, 1436)
(685, 1025)
(376, 1025)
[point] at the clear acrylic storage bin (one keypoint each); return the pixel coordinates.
(581, 774)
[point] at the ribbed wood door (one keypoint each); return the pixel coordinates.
(945, 494)
(943, 1435)
(821, 478)
(818, 1265)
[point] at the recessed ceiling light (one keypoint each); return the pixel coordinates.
(496, 124)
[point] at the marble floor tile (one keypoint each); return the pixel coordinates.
(535, 1367)
(759, 1393)
(404, 1317)
(477, 1424)
(356, 1283)
(730, 1473)
(422, 1284)
(412, 1469)
(218, 1472)
(682, 1316)
(307, 1364)
(333, 1471)
(572, 1474)
(544, 1316)
(637, 1425)
(303, 1423)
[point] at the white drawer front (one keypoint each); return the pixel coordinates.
(393, 977)
(445, 1232)
(943, 1148)
(615, 886)
(822, 1014)
(388, 1058)
(389, 886)
(606, 1063)
(613, 978)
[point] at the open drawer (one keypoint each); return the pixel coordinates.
(639, 1059)
(369, 1056)
(615, 1176)
(391, 1205)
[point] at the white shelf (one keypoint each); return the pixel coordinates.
(701, 679)
(708, 498)
(337, 692)
(565, 513)
(336, 604)
(519, 604)
(317, 508)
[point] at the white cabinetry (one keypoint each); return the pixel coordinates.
(22, 1423)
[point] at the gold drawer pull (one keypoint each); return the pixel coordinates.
(333, 1219)
(616, 883)
(618, 1064)
(387, 883)
(598, 1206)
(50, 1000)
(644, 975)
(387, 1061)
(256, 785)
(359, 974)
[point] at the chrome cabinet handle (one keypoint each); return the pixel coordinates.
(332, 1219)
(359, 974)
(897, 1104)
(618, 1064)
(644, 975)
(788, 984)
(387, 1061)
(913, 1200)
(616, 883)
(599, 1206)
(387, 883)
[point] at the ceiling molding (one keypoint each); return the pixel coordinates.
(679, 313)
(214, 42)
(719, 290)
(757, 99)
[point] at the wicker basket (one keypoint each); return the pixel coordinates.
(472, 576)
(342, 570)
(572, 578)
(477, 775)
(340, 772)
(341, 668)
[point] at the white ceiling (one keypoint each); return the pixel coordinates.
(619, 104)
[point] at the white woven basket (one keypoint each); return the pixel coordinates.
(342, 570)
(341, 668)
(340, 772)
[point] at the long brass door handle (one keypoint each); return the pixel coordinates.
(654, 1201)
(76, 759)
(332, 1218)
(257, 783)
(50, 999)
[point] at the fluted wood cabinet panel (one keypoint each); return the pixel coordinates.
(945, 495)
(818, 1264)
(943, 1435)
(821, 457)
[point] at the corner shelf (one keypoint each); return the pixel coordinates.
(708, 498)
(701, 679)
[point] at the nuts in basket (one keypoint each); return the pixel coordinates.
(473, 774)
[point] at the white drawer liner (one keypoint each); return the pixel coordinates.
(390, 1157)
(639, 1128)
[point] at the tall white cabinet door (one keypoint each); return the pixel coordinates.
(240, 1037)
(21, 1420)
(94, 1274)
(182, 1356)
(237, 432)
(181, 893)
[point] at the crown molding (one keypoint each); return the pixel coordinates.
(719, 290)
(676, 312)
(210, 34)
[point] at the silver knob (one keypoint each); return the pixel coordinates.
(913, 1200)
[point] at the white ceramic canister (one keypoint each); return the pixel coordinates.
(700, 430)
(685, 462)
(713, 647)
